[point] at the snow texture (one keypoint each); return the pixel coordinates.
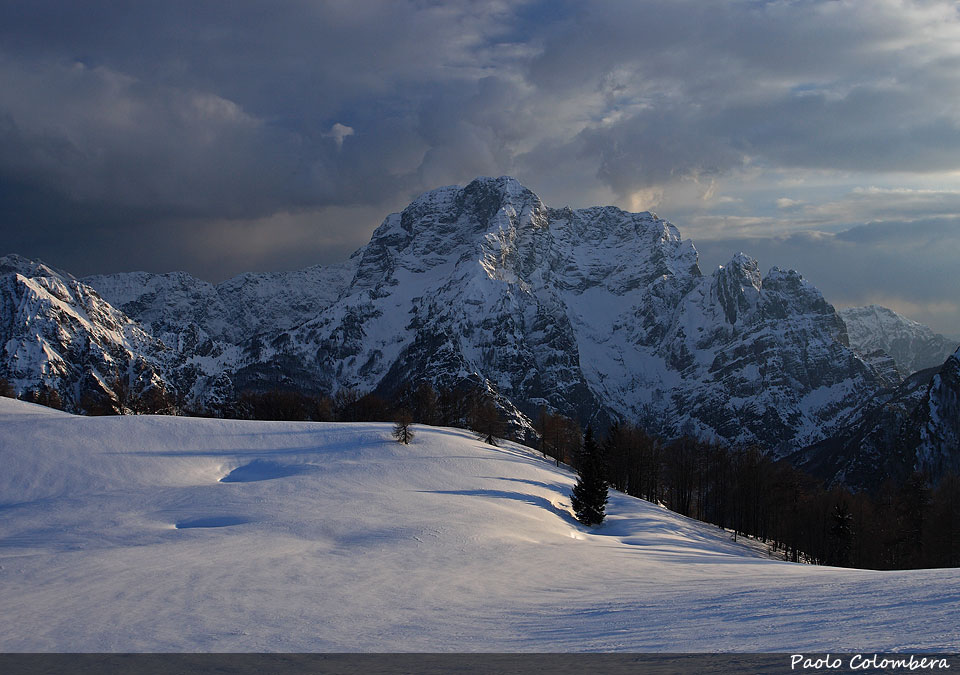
(123, 534)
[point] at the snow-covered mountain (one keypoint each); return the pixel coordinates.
(937, 421)
(196, 535)
(912, 427)
(58, 333)
(878, 333)
(230, 312)
(595, 313)
(209, 329)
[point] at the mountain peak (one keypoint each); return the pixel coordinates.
(505, 184)
(595, 313)
(737, 286)
(912, 345)
(13, 263)
(742, 266)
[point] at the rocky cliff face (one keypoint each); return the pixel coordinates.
(763, 359)
(912, 427)
(936, 423)
(59, 333)
(211, 331)
(595, 313)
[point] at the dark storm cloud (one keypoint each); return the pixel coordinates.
(693, 87)
(121, 122)
(157, 115)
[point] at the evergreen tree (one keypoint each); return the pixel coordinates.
(841, 534)
(590, 493)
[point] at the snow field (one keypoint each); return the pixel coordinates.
(179, 534)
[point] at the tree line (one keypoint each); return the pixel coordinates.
(738, 488)
(121, 399)
(467, 406)
(743, 490)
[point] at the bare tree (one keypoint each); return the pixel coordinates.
(44, 395)
(559, 437)
(343, 404)
(402, 427)
(425, 402)
(486, 421)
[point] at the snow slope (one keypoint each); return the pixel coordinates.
(163, 533)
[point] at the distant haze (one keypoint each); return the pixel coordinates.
(253, 136)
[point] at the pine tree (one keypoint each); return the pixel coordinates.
(841, 534)
(590, 493)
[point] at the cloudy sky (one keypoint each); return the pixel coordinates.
(244, 136)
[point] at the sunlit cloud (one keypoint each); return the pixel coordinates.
(338, 132)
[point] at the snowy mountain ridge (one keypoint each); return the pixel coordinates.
(59, 332)
(938, 422)
(231, 311)
(595, 313)
(914, 426)
(878, 334)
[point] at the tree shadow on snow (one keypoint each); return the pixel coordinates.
(541, 502)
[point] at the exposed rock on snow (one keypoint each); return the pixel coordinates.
(912, 427)
(595, 313)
